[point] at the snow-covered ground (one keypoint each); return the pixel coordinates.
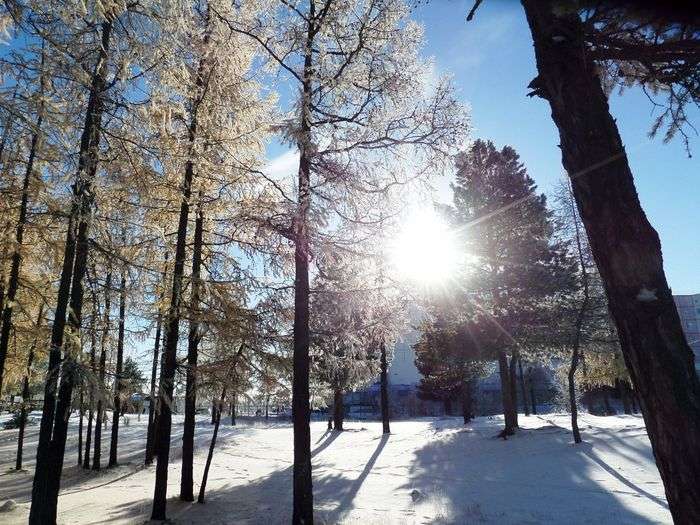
(426, 471)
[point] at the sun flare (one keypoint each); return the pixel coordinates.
(426, 250)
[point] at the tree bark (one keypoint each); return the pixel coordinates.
(25, 390)
(523, 387)
(533, 399)
(302, 512)
(467, 402)
(212, 445)
(97, 454)
(507, 399)
(384, 388)
(92, 382)
(118, 386)
(167, 376)
(8, 300)
(338, 410)
(187, 476)
(572, 393)
(154, 372)
(513, 383)
(233, 411)
(627, 251)
(54, 420)
(80, 424)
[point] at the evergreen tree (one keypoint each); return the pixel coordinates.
(516, 266)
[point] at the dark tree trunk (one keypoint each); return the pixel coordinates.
(303, 508)
(187, 476)
(338, 410)
(513, 383)
(447, 405)
(267, 407)
(384, 388)
(167, 375)
(210, 455)
(154, 372)
(624, 397)
(25, 391)
(467, 401)
(533, 399)
(627, 251)
(8, 298)
(80, 424)
(97, 454)
(156, 417)
(606, 402)
(233, 411)
(118, 386)
(92, 382)
(510, 423)
(523, 387)
(54, 420)
(572, 393)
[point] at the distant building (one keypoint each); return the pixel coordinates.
(688, 307)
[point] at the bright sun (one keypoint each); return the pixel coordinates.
(426, 250)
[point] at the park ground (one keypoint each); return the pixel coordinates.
(429, 470)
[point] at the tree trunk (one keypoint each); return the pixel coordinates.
(506, 397)
(606, 402)
(447, 405)
(513, 383)
(118, 386)
(92, 382)
(8, 300)
(187, 476)
(338, 410)
(167, 375)
(533, 399)
(97, 454)
(384, 388)
(523, 389)
(210, 455)
(467, 402)
(13, 284)
(627, 251)
(624, 397)
(303, 510)
(54, 420)
(80, 424)
(233, 411)
(154, 371)
(572, 393)
(25, 390)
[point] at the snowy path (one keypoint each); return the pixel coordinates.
(427, 471)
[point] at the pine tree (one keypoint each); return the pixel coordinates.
(517, 267)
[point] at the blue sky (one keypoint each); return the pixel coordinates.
(492, 61)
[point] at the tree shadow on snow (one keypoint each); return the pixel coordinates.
(537, 476)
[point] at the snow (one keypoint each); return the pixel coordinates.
(429, 470)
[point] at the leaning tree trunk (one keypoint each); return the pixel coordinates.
(572, 393)
(187, 476)
(212, 445)
(154, 372)
(626, 249)
(118, 386)
(338, 410)
(54, 420)
(384, 388)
